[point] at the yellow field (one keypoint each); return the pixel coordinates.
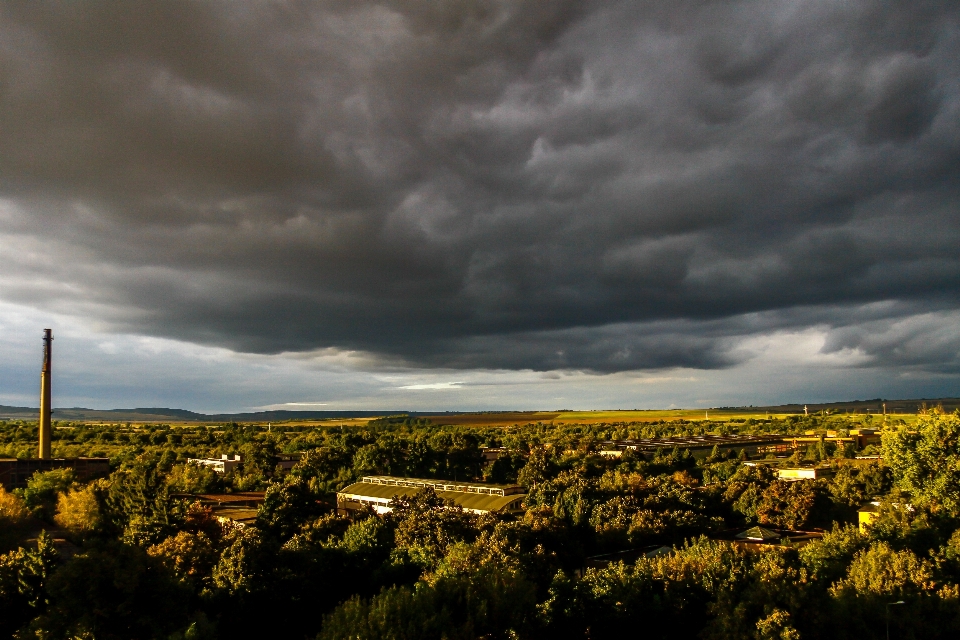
(502, 419)
(596, 417)
(328, 422)
(592, 417)
(659, 414)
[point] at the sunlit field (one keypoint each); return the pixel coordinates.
(515, 418)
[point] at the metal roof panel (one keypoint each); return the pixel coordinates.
(471, 501)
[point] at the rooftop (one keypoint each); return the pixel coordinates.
(380, 494)
(758, 534)
(445, 485)
(695, 442)
(242, 515)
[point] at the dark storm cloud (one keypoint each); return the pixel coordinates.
(606, 185)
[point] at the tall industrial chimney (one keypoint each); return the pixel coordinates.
(45, 381)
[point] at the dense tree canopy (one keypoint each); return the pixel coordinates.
(605, 545)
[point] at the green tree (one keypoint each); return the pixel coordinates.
(14, 517)
(190, 556)
(43, 487)
(925, 460)
(648, 526)
(881, 571)
(245, 563)
(827, 559)
(78, 511)
(194, 478)
(426, 525)
(24, 576)
(113, 592)
(138, 505)
(13, 510)
(762, 601)
(290, 504)
(505, 468)
(744, 490)
(792, 505)
(540, 467)
(380, 458)
(326, 530)
(323, 463)
(369, 537)
(776, 626)
(470, 596)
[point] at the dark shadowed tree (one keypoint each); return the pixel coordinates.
(116, 592)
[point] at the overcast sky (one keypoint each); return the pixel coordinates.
(478, 205)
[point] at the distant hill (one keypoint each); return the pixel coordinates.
(154, 414)
(874, 406)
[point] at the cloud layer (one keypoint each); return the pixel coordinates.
(596, 186)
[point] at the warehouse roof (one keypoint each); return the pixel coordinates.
(759, 534)
(240, 515)
(446, 485)
(383, 493)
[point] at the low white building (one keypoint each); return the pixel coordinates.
(804, 473)
(221, 465)
(617, 453)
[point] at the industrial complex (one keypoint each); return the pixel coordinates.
(14, 472)
(750, 445)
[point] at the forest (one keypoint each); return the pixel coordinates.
(137, 557)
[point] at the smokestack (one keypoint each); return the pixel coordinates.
(45, 381)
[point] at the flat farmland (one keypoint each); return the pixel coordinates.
(510, 418)
(593, 417)
(597, 417)
(326, 422)
(493, 419)
(590, 417)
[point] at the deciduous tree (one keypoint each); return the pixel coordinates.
(925, 460)
(78, 510)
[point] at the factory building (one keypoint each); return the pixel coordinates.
(749, 445)
(378, 491)
(698, 445)
(226, 463)
(14, 472)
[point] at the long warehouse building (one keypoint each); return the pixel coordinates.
(378, 491)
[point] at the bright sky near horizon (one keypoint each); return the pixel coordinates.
(479, 205)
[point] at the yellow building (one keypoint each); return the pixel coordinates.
(804, 473)
(867, 514)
